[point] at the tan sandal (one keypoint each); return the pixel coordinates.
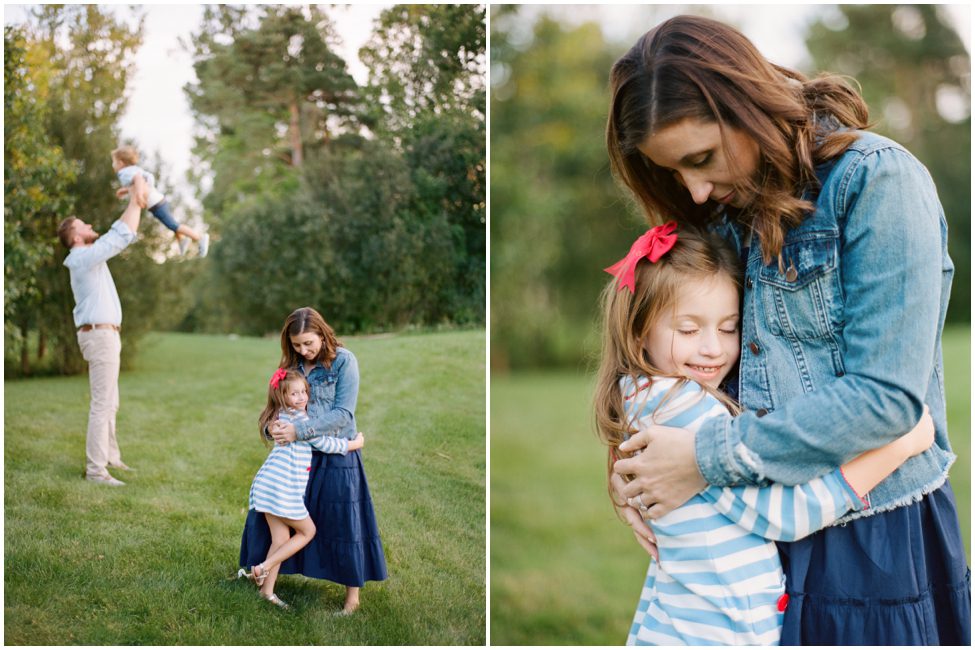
(257, 580)
(274, 600)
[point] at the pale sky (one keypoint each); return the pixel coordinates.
(158, 117)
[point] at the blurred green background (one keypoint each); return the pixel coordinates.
(564, 570)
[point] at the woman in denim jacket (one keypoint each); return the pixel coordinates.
(346, 548)
(847, 275)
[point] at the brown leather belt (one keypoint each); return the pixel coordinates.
(99, 326)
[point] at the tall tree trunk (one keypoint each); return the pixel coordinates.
(297, 156)
(41, 344)
(24, 351)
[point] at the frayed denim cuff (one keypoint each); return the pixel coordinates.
(714, 449)
(303, 430)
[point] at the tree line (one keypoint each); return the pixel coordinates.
(366, 201)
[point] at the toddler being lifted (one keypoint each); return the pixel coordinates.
(125, 162)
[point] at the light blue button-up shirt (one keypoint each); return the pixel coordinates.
(96, 299)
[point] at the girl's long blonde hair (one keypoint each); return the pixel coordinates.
(276, 401)
(628, 318)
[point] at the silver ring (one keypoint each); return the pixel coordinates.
(639, 503)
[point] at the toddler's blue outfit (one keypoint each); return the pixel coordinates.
(158, 205)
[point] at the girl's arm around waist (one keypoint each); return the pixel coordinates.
(788, 513)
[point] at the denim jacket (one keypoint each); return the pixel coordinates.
(331, 404)
(841, 347)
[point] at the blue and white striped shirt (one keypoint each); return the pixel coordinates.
(279, 486)
(719, 580)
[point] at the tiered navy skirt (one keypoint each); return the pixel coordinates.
(895, 578)
(346, 548)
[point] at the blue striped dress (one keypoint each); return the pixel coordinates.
(719, 580)
(279, 486)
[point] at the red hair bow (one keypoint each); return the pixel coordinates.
(278, 375)
(652, 244)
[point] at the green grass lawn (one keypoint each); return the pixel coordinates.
(564, 570)
(150, 563)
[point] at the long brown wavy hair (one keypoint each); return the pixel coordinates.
(276, 401)
(627, 319)
(300, 321)
(695, 67)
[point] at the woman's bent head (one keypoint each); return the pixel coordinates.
(691, 72)
(306, 338)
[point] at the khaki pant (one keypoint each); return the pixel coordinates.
(102, 349)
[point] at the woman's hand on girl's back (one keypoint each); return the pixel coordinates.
(358, 442)
(665, 473)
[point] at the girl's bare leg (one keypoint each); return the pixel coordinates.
(304, 531)
(280, 534)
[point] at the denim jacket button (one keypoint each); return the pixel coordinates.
(761, 413)
(791, 274)
(748, 283)
(840, 373)
(753, 346)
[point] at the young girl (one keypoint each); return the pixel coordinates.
(348, 549)
(125, 161)
(671, 338)
(278, 489)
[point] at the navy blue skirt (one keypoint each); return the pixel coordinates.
(346, 548)
(895, 578)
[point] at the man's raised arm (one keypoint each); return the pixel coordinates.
(137, 201)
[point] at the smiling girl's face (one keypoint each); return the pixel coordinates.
(308, 345)
(699, 338)
(708, 166)
(296, 395)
